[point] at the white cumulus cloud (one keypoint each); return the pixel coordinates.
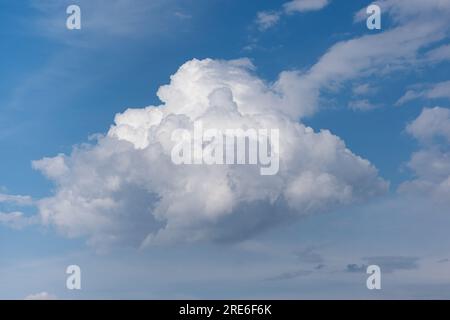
(125, 189)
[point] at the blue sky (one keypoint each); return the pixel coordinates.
(60, 91)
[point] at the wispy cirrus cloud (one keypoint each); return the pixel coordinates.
(17, 220)
(107, 21)
(388, 264)
(267, 19)
(431, 91)
(439, 54)
(16, 199)
(362, 105)
(290, 275)
(304, 5)
(41, 296)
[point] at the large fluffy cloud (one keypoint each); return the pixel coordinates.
(125, 188)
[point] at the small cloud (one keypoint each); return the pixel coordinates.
(41, 296)
(291, 275)
(444, 260)
(308, 255)
(431, 125)
(304, 5)
(353, 267)
(267, 19)
(388, 264)
(362, 105)
(439, 54)
(16, 199)
(440, 90)
(182, 15)
(16, 220)
(319, 267)
(363, 89)
(408, 96)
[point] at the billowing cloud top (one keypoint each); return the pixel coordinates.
(125, 188)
